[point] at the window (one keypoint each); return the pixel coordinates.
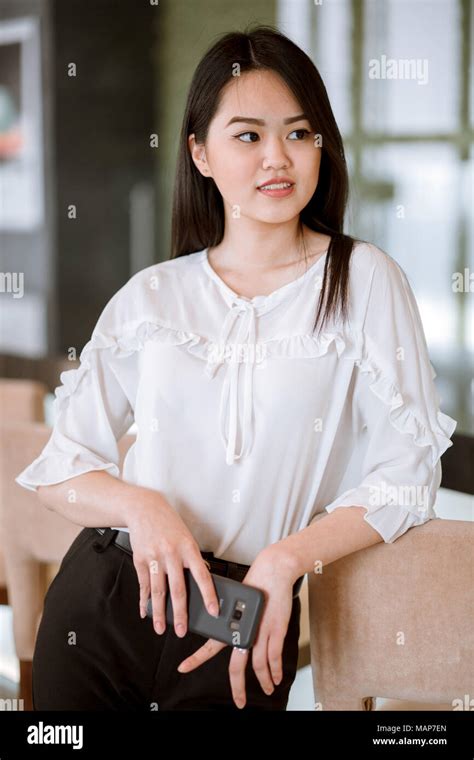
(397, 75)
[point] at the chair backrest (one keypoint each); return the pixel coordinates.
(27, 524)
(395, 620)
(22, 400)
(33, 536)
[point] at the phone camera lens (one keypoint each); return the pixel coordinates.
(237, 614)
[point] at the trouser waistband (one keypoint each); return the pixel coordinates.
(235, 570)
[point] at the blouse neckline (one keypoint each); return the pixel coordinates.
(238, 380)
(261, 299)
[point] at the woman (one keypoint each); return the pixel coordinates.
(269, 389)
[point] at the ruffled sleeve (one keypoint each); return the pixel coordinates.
(396, 400)
(93, 406)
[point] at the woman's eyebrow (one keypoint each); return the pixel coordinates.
(251, 120)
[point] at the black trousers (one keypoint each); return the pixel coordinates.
(94, 651)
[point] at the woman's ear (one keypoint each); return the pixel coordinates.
(198, 154)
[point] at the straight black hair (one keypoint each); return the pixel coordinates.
(198, 210)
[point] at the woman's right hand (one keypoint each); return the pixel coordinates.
(162, 547)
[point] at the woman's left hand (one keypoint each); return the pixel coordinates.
(273, 573)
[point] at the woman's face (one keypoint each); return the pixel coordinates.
(240, 156)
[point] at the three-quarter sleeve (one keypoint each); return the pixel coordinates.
(93, 408)
(397, 403)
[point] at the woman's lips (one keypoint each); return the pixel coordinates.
(276, 193)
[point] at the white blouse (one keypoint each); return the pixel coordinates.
(248, 422)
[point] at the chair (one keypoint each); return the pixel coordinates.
(34, 537)
(22, 401)
(395, 621)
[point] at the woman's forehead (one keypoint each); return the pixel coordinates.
(260, 95)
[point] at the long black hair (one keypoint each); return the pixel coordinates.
(198, 209)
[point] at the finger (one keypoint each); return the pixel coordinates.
(260, 665)
(158, 596)
(275, 650)
(237, 665)
(201, 655)
(144, 585)
(178, 593)
(203, 578)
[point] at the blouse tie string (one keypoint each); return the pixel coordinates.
(242, 351)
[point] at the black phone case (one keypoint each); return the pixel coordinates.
(240, 610)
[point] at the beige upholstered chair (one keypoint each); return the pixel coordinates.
(35, 539)
(22, 401)
(395, 621)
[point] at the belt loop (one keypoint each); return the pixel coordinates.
(107, 537)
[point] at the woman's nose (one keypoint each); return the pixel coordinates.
(275, 153)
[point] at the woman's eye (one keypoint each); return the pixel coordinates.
(246, 133)
(304, 132)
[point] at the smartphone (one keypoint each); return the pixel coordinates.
(240, 610)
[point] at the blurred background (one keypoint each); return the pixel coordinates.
(92, 94)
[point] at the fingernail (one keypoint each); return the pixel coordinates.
(240, 703)
(277, 680)
(268, 691)
(159, 628)
(213, 609)
(180, 629)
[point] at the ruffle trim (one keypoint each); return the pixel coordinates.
(64, 466)
(404, 419)
(304, 346)
(133, 339)
(388, 520)
(135, 336)
(352, 344)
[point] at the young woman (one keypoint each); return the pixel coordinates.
(276, 370)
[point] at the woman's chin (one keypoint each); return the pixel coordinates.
(269, 215)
